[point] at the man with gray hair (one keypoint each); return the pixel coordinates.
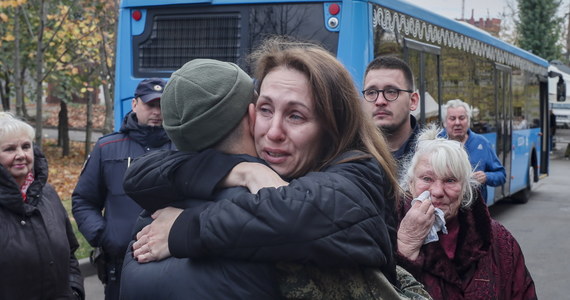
(456, 116)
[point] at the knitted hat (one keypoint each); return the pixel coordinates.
(203, 101)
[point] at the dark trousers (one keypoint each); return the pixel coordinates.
(113, 284)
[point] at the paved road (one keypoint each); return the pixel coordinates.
(93, 288)
(74, 135)
(541, 228)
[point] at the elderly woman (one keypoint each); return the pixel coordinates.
(338, 209)
(478, 258)
(37, 241)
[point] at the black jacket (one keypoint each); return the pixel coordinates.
(37, 243)
(100, 185)
(406, 150)
(185, 278)
(338, 217)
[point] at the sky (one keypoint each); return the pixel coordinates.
(453, 8)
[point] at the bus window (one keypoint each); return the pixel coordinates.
(174, 36)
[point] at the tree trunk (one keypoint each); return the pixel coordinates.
(20, 108)
(108, 124)
(568, 40)
(107, 81)
(89, 125)
(5, 93)
(23, 108)
(63, 129)
(39, 75)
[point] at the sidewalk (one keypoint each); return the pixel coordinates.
(93, 287)
(74, 135)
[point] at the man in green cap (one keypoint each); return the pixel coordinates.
(207, 104)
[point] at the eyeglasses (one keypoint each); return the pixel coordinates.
(390, 94)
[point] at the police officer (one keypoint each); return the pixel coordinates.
(105, 215)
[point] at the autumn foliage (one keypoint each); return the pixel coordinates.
(64, 171)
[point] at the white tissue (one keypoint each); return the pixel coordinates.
(438, 225)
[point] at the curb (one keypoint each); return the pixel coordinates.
(86, 268)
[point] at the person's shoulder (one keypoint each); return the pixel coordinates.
(111, 138)
(478, 140)
(356, 162)
(500, 233)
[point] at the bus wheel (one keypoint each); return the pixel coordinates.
(524, 195)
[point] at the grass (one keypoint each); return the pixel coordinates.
(63, 175)
(84, 247)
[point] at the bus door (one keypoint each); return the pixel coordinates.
(425, 62)
(503, 100)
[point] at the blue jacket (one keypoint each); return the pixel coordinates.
(483, 158)
(100, 186)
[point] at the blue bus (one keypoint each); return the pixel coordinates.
(505, 85)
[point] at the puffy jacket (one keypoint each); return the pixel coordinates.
(100, 186)
(37, 243)
(337, 217)
(488, 263)
(185, 278)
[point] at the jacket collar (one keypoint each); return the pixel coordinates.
(10, 196)
(148, 136)
(473, 243)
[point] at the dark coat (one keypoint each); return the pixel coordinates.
(37, 243)
(338, 217)
(184, 278)
(488, 263)
(406, 150)
(100, 185)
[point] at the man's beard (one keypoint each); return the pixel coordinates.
(390, 129)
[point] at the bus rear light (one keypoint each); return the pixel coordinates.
(334, 9)
(137, 15)
(333, 22)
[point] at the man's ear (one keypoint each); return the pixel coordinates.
(134, 104)
(251, 113)
(414, 101)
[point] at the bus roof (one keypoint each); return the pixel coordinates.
(400, 6)
(141, 3)
(410, 9)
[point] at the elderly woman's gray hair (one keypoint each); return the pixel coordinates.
(10, 125)
(455, 103)
(448, 158)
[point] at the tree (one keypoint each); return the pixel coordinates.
(539, 28)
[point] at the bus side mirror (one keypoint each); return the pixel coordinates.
(561, 90)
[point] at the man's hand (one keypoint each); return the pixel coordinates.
(480, 177)
(414, 228)
(152, 240)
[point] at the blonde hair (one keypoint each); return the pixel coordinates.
(448, 158)
(10, 125)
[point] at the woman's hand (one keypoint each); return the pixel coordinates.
(254, 176)
(414, 228)
(152, 240)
